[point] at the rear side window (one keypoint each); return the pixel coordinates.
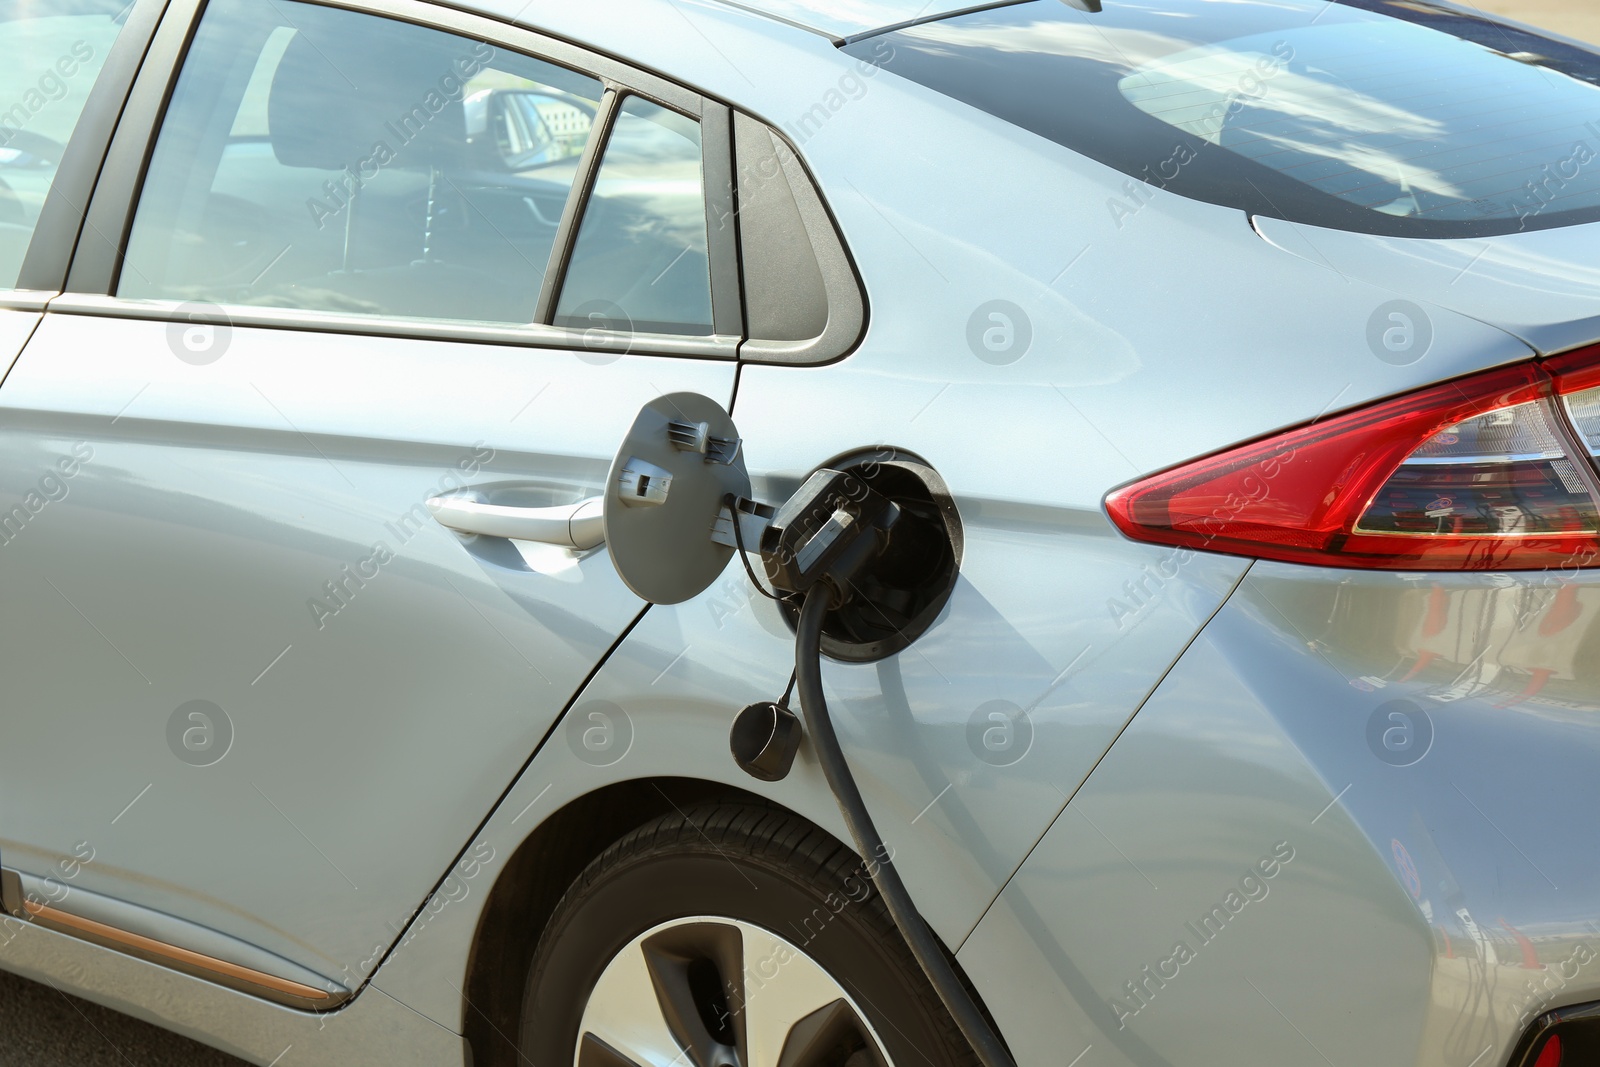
(54, 50)
(640, 262)
(1398, 117)
(419, 175)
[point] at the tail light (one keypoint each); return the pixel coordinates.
(1492, 472)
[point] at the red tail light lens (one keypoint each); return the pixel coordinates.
(1493, 472)
(1550, 1055)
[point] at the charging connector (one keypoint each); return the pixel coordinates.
(825, 533)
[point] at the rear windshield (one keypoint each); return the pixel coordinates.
(1400, 117)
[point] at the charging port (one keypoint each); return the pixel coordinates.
(900, 593)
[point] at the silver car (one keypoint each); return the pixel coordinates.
(1201, 399)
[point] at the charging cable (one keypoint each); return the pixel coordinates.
(929, 953)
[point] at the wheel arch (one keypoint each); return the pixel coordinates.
(525, 895)
(527, 890)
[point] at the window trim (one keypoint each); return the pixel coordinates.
(846, 295)
(722, 235)
(90, 285)
(26, 299)
(533, 335)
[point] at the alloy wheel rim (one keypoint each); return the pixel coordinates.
(715, 992)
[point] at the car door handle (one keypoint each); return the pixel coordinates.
(579, 526)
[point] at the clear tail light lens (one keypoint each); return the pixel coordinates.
(1578, 384)
(1493, 472)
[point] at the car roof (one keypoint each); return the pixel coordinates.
(847, 19)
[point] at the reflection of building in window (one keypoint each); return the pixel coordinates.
(568, 125)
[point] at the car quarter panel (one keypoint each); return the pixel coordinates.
(1337, 806)
(1540, 286)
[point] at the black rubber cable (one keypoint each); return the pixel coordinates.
(919, 937)
(731, 502)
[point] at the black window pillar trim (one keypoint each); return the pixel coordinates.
(97, 261)
(846, 292)
(61, 218)
(577, 199)
(722, 234)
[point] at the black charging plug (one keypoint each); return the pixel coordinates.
(826, 532)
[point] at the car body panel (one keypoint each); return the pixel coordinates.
(1540, 286)
(915, 382)
(234, 536)
(1430, 893)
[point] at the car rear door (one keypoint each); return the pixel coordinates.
(259, 698)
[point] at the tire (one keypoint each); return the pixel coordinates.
(683, 912)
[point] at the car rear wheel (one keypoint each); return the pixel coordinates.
(729, 936)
